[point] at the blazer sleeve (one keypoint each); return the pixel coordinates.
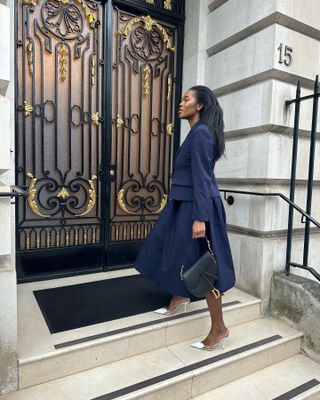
(201, 168)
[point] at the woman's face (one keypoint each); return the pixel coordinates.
(188, 106)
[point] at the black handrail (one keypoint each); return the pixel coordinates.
(230, 201)
(16, 191)
(285, 198)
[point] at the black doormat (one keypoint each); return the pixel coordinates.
(76, 306)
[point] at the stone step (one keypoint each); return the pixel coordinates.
(66, 353)
(176, 371)
(295, 378)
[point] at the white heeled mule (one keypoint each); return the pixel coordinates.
(179, 307)
(201, 346)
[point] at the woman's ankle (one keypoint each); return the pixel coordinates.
(179, 299)
(220, 331)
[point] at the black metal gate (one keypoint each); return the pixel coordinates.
(96, 93)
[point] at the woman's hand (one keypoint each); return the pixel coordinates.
(198, 229)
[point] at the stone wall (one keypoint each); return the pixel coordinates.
(8, 294)
(232, 46)
(296, 300)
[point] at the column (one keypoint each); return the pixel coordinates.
(8, 292)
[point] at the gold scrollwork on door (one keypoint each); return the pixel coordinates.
(123, 206)
(32, 193)
(82, 3)
(62, 194)
(163, 203)
(92, 196)
(149, 23)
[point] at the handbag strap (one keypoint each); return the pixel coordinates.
(208, 244)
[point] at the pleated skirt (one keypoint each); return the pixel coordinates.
(169, 245)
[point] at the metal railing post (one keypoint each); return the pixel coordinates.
(293, 175)
(311, 170)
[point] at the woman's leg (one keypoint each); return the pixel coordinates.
(218, 329)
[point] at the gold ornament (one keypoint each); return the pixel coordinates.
(95, 118)
(149, 23)
(63, 193)
(30, 57)
(30, 2)
(169, 86)
(63, 53)
(87, 10)
(146, 80)
(168, 4)
(119, 121)
(32, 193)
(92, 196)
(27, 108)
(93, 70)
(170, 129)
(122, 205)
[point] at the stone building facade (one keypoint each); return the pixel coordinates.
(235, 47)
(251, 53)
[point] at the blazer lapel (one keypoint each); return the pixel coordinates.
(187, 137)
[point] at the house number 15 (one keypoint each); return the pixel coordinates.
(285, 54)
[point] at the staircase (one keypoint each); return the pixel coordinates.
(148, 356)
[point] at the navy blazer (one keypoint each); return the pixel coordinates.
(193, 177)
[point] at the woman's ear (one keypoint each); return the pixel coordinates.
(199, 106)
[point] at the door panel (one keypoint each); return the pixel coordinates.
(144, 68)
(58, 135)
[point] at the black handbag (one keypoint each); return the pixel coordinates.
(202, 276)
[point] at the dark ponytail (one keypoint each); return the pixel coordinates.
(212, 115)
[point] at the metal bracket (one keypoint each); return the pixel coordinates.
(228, 199)
(16, 191)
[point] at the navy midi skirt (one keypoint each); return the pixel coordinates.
(169, 245)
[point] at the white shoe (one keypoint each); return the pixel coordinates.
(161, 311)
(201, 346)
(164, 311)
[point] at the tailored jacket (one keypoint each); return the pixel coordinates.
(193, 177)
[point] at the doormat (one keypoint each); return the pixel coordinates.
(76, 306)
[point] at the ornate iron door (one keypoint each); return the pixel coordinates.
(144, 81)
(96, 98)
(58, 135)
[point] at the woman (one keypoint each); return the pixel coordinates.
(195, 210)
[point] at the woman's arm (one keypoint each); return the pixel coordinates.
(201, 162)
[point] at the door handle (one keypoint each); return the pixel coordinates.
(112, 173)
